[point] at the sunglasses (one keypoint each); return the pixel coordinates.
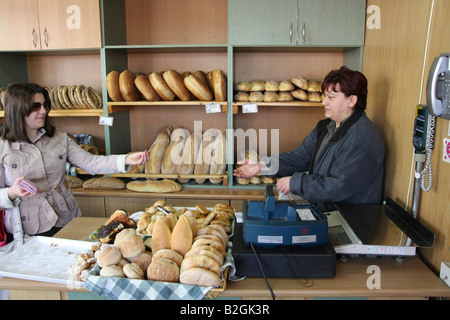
(36, 106)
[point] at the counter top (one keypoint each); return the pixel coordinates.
(408, 279)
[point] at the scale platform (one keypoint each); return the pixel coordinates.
(375, 230)
(283, 261)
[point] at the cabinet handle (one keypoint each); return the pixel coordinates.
(290, 34)
(45, 37)
(304, 32)
(32, 37)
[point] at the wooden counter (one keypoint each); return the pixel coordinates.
(410, 279)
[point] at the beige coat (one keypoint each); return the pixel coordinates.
(44, 163)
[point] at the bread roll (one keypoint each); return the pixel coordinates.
(200, 277)
(161, 236)
(271, 85)
(145, 88)
(127, 87)
(203, 163)
(218, 156)
(212, 243)
(256, 96)
(182, 236)
(168, 254)
(206, 251)
(211, 237)
(314, 96)
(242, 97)
(300, 82)
(130, 244)
(156, 153)
(200, 261)
(243, 86)
(213, 229)
(159, 84)
(190, 154)
(313, 86)
(163, 270)
(108, 255)
(284, 96)
(104, 183)
(270, 96)
(143, 260)
(220, 85)
(175, 82)
(286, 85)
(162, 186)
(112, 271)
(257, 85)
(133, 271)
(198, 88)
(112, 86)
(300, 94)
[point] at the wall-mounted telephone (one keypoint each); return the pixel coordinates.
(438, 87)
(423, 142)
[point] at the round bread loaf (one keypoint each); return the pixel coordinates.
(212, 243)
(220, 85)
(175, 82)
(159, 84)
(243, 86)
(271, 85)
(129, 243)
(314, 96)
(112, 86)
(108, 255)
(300, 94)
(313, 86)
(256, 96)
(286, 85)
(258, 85)
(182, 236)
(198, 88)
(127, 87)
(163, 270)
(200, 261)
(168, 254)
(210, 236)
(284, 96)
(270, 96)
(145, 88)
(112, 271)
(207, 251)
(242, 96)
(200, 277)
(214, 229)
(143, 260)
(300, 82)
(133, 271)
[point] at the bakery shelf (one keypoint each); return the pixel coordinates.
(70, 113)
(307, 104)
(114, 107)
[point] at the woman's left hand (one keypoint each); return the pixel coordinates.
(137, 158)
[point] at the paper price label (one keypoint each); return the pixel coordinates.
(213, 108)
(106, 121)
(250, 108)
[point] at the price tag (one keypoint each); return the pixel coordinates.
(213, 108)
(250, 108)
(106, 121)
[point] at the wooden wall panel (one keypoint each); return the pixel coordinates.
(393, 63)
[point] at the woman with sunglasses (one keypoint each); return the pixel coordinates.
(32, 148)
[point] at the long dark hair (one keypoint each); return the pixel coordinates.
(350, 83)
(18, 105)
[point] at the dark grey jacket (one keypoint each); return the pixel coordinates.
(349, 169)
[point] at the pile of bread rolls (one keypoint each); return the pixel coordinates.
(184, 247)
(278, 91)
(175, 150)
(169, 85)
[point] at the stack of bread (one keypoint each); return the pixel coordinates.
(278, 91)
(175, 150)
(250, 154)
(166, 86)
(74, 97)
(182, 248)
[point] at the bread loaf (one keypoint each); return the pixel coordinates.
(104, 183)
(74, 182)
(243, 86)
(198, 88)
(190, 154)
(271, 85)
(313, 86)
(161, 235)
(158, 186)
(112, 271)
(286, 85)
(127, 87)
(203, 162)
(159, 84)
(163, 270)
(202, 77)
(156, 153)
(182, 236)
(112, 86)
(200, 261)
(314, 96)
(300, 94)
(220, 85)
(270, 96)
(145, 88)
(175, 82)
(133, 271)
(242, 96)
(168, 254)
(108, 255)
(130, 243)
(257, 85)
(218, 156)
(174, 151)
(256, 96)
(284, 96)
(200, 277)
(300, 82)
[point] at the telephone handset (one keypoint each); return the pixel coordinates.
(438, 87)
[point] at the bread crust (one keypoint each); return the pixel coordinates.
(112, 86)
(159, 84)
(127, 87)
(198, 88)
(145, 88)
(220, 85)
(200, 277)
(175, 82)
